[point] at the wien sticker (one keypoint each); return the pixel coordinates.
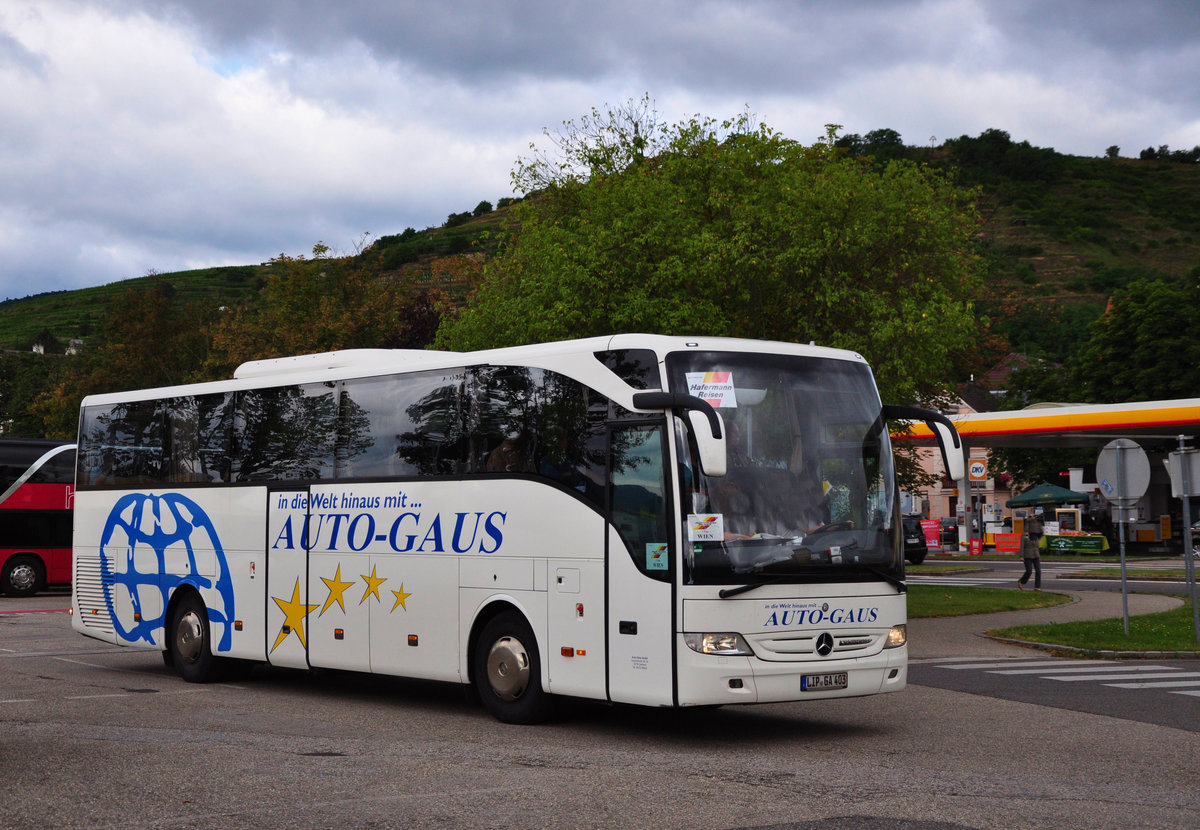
(706, 527)
(656, 556)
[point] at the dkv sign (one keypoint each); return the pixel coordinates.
(977, 470)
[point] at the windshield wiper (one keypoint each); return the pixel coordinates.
(726, 593)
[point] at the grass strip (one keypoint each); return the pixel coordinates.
(1164, 631)
(951, 601)
(1130, 573)
(945, 570)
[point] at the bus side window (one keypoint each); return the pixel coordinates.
(570, 432)
(502, 418)
(58, 470)
(286, 433)
(402, 425)
(639, 503)
(198, 438)
(123, 445)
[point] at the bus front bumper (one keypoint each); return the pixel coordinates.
(706, 679)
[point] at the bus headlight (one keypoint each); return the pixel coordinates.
(723, 643)
(897, 636)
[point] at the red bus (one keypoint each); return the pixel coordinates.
(37, 495)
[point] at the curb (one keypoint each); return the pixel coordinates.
(1100, 653)
(1103, 578)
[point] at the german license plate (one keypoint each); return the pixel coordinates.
(822, 682)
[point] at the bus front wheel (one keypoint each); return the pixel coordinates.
(188, 643)
(23, 576)
(508, 671)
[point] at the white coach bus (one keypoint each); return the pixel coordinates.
(637, 519)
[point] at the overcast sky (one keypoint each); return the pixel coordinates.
(161, 135)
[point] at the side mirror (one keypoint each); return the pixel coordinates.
(704, 420)
(711, 450)
(943, 430)
(952, 452)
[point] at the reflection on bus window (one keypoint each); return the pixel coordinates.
(639, 502)
(449, 422)
(198, 438)
(285, 433)
(538, 422)
(124, 444)
(403, 426)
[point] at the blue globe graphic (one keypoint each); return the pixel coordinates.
(141, 532)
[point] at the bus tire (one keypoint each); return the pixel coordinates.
(24, 575)
(189, 642)
(508, 671)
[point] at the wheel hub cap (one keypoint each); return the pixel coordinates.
(23, 577)
(189, 638)
(508, 668)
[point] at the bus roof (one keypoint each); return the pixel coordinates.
(351, 363)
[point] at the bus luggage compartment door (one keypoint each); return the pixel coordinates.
(287, 578)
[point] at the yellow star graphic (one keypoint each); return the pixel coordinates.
(336, 589)
(294, 612)
(400, 598)
(373, 583)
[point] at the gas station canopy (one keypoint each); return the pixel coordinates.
(1150, 423)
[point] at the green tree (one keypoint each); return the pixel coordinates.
(884, 144)
(23, 377)
(325, 304)
(1144, 347)
(732, 229)
(147, 338)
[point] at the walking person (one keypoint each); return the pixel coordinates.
(1032, 558)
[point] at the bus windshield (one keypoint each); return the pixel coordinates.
(809, 491)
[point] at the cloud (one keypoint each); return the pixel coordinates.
(131, 140)
(166, 134)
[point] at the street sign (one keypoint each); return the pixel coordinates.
(1124, 474)
(1179, 463)
(1123, 471)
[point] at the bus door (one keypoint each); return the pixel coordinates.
(640, 568)
(287, 601)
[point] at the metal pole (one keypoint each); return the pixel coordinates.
(1189, 566)
(1121, 513)
(964, 489)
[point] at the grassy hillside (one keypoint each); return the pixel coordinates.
(1058, 249)
(1060, 234)
(1099, 218)
(74, 314)
(70, 314)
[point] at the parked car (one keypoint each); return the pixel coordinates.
(915, 548)
(949, 532)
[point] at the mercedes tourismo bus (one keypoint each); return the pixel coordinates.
(638, 519)
(37, 491)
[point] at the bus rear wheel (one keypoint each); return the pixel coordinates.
(189, 642)
(508, 671)
(23, 576)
